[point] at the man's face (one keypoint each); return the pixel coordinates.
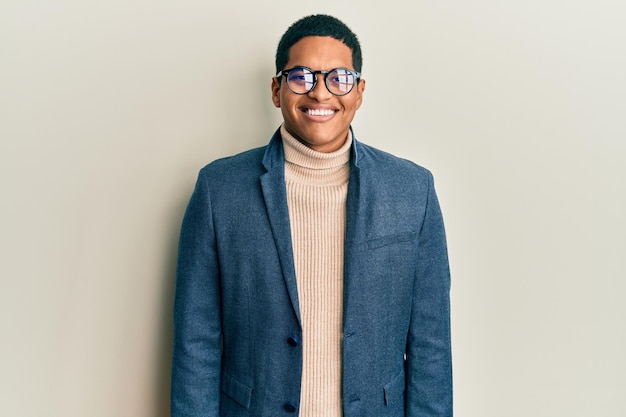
(322, 131)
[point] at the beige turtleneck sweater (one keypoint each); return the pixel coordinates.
(317, 187)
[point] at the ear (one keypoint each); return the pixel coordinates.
(360, 88)
(275, 91)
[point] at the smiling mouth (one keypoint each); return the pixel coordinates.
(319, 112)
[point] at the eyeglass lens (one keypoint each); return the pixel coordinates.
(339, 81)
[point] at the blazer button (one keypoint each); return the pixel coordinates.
(290, 407)
(293, 341)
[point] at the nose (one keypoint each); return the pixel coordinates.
(320, 91)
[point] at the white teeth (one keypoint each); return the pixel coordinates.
(314, 112)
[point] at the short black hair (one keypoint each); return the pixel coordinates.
(318, 25)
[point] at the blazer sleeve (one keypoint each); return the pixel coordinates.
(196, 361)
(429, 362)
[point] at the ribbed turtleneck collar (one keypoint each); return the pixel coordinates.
(300, 154)
(305, 166)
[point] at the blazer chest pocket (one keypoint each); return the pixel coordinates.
(387, 240)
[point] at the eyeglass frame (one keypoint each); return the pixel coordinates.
(355, 74)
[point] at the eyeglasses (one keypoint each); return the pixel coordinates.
(339, 81)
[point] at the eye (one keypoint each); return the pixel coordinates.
(341, 77)
(300, 75)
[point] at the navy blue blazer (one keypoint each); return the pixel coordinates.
(237, 326)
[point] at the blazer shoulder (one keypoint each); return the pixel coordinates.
(385, 162)
(242, 164)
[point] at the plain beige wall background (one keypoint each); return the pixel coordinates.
(109, 109)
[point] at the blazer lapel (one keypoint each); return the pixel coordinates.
(358, 221)
(275, 195)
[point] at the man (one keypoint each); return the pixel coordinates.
(313, 277)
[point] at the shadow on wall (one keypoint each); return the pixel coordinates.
(161, 388)
(256, 117)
